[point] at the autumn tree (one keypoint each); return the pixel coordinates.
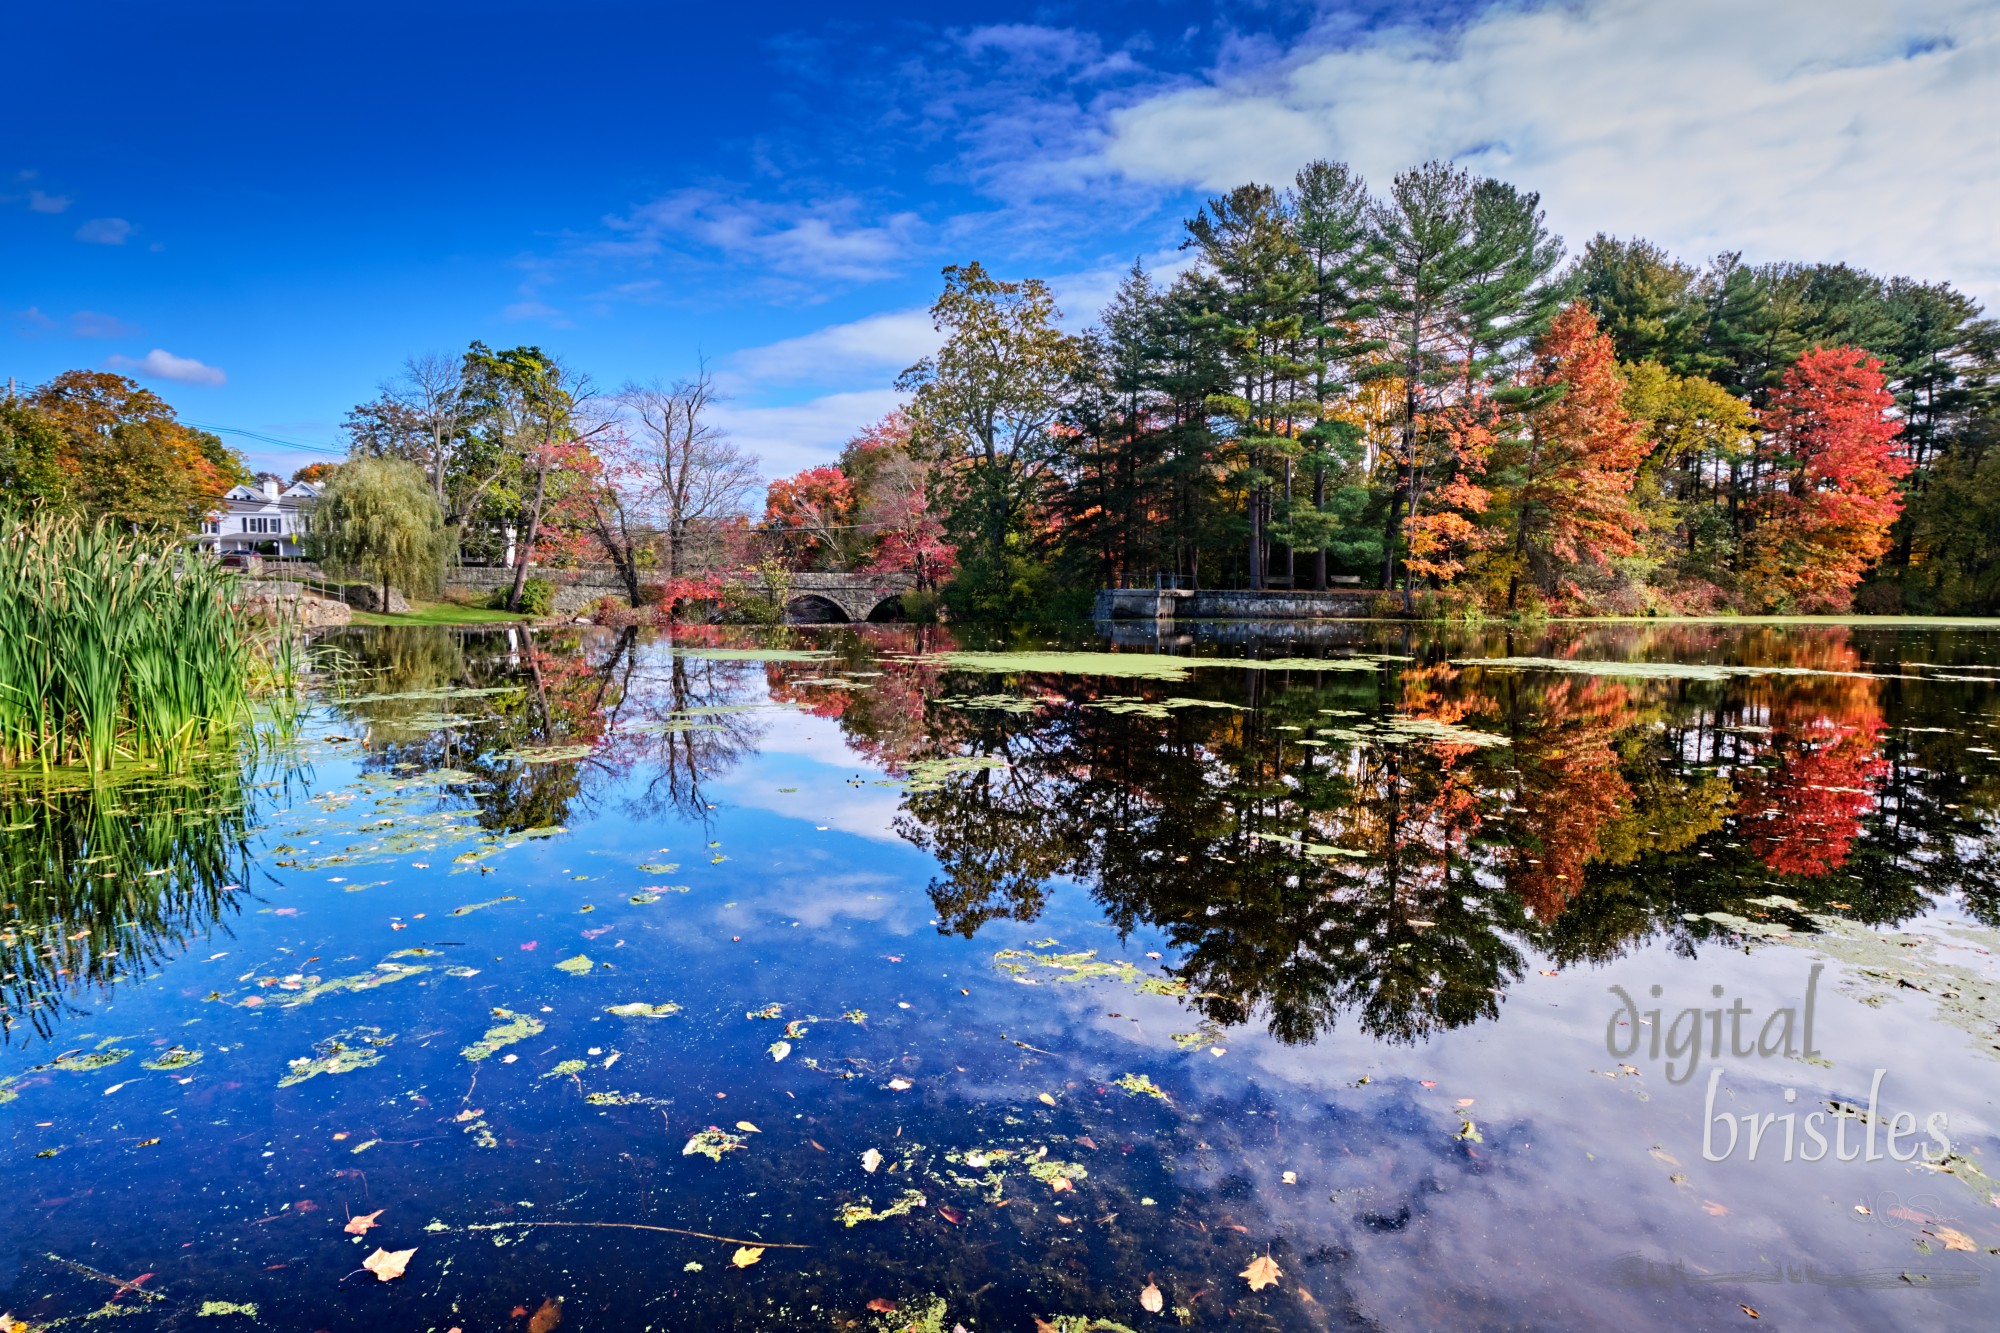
(1573, 503)
(812, 517)
(893, 505)
(1828, 467)
(99, 445)
(534, 409)
(980, 411)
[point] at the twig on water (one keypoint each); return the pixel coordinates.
(641, 1226)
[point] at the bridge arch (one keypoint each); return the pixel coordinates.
(813, 609)
(887, 611)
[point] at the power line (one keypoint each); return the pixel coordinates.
(270, 439)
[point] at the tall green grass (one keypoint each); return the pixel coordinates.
(116, 648)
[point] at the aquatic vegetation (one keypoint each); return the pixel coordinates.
(384, 973)
(116, 648)
(931, 774)
(852, 1214)
(640, 1010)
(577, 966)
(174, 1057)
(343, 1053)
(1139, 1085)
(712, 1143)
(517, 1027)
(1086, 966)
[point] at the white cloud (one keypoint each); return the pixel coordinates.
(531, 308)
(807, 434)
(105, 231)
(40, 202)
(878, 344)
(823, 239)
(160, 364)
(96, 324)
(1805, 129)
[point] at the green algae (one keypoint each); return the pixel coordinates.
(470, 908)
(383, 974)
(852, 1214)
(712, 1143)
(517, 1027)
(1139, 1085)
(640, 1010)
(174, 1057)
(1086, 966)
(578, 966)
(343, 1053)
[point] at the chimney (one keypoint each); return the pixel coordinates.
(270, 489)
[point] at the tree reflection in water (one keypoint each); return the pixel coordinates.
(103, 882)
(1619, 810)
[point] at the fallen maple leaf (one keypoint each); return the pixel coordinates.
(387, 1265)
(359, 1225)
(1956, 1240)
(746, 1255)
(547, 1317)
(1150, 1299)
(1263, 1272)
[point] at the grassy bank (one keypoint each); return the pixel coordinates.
(443, 613)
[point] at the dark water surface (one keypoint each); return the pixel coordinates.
(1127, 976)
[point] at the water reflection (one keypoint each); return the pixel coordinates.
(105, 882)
(1310, 852)
(1388, 848)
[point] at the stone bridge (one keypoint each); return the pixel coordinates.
(815, 599)
(835, 599)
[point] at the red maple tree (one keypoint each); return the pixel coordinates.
(1829, 465)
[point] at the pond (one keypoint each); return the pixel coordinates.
(1308, 977)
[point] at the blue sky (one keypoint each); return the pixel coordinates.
(260, 210)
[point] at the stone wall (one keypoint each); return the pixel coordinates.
(575, 588)
(1236, 604)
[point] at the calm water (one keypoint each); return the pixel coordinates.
(1030, 987)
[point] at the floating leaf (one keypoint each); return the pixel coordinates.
(780, 1049)
(577, 966)
(358, 1225)
(387, 1265)
(1150, 1299)
(1263, 1272)
(547, 1317)
(870, 1160)
(746, 1255)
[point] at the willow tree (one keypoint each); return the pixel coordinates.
(378, 517)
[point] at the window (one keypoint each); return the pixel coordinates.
(211, 526)
(260, 523)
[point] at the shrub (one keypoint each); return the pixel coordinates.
(538, 597)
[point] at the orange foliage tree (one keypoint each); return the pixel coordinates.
(1828, 465)
(812, 516)
(1574, 502)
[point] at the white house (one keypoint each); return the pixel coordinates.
(260, 519)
